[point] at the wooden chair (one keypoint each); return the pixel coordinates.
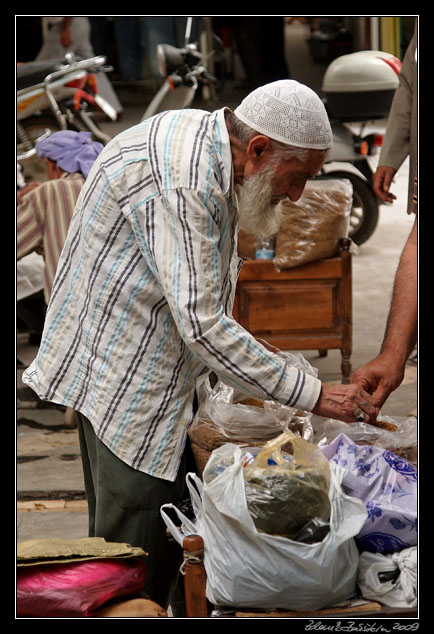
(197, 605)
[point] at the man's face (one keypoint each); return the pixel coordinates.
(53, 171)
(290, 177)
(262, 190)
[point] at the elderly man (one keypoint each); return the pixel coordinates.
(142, 301)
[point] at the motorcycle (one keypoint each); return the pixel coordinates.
(59, 95)
(184, 71)
(353, 153)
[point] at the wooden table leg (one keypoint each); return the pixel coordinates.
(346, 367)
(196, 604)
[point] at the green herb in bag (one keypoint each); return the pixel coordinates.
(284, 492)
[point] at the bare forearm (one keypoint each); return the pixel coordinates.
(401, 330)
(385, 373)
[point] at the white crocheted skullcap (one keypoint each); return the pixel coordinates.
(289, 112)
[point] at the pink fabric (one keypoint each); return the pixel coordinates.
(76, 589)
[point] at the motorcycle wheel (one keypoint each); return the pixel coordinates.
(365, 208)
(34, 166)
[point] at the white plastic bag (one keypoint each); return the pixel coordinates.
(246, 568)
(400, 592)
(186, 526)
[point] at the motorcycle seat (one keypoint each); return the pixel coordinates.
(33, 73)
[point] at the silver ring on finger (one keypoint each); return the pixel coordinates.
(361, 416)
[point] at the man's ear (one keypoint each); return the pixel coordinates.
(53, 170)
(259, 147)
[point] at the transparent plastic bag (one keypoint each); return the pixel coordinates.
(310, 228)
(285, 492)
(237, 415)
(397, 434)
(226, 414)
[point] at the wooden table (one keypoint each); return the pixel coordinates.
(303, 308)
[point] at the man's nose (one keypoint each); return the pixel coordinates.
(295, 191)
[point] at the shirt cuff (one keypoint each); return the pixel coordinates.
(309, 394)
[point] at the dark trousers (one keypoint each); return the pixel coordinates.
(124, 506)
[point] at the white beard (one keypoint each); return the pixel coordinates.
(257, 216)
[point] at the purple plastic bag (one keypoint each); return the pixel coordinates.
(387, 484)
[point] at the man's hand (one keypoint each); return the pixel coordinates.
(347, 403)
(25, 190)
(380, 377)
(382, 181)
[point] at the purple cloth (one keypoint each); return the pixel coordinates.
(72, 151)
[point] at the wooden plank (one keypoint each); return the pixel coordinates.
(371, 607)
(289, 308)
(256, 270)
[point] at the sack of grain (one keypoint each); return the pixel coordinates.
(205, 436)
(310, 229)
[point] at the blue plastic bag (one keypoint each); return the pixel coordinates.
(387, 485)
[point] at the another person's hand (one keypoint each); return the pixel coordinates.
(379, 377)
(381, 183)
(25, 190)
(347, 403)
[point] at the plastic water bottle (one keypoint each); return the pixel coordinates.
(265, 249)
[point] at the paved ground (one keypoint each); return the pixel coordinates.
(49, 480)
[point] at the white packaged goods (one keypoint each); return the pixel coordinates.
(249, 568)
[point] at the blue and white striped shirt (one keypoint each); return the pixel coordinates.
(142, 300)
